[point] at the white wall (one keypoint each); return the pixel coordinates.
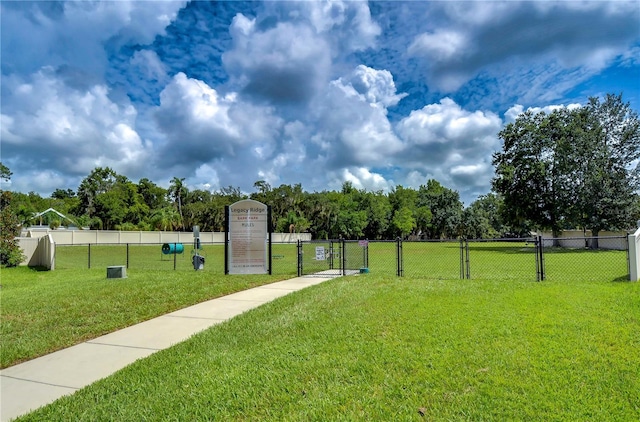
(634, 256)
(38, 252)
(580, 239)
(83, 237)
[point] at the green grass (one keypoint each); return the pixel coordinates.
(386, 348)
(145, 257)
(495, 260)
(46, 311)
(43, 311)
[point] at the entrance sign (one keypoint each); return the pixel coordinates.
(320, 253)
(248, 242)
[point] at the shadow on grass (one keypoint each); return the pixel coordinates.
(38, 269)
(505, 249)
(558, 250)
(621, 279)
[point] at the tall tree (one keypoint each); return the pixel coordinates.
(608, 166)
(98, 182)
(533, 170)
(378, 210)
(570, 168)
(446, 209)
(152, 194)
(177, 191)
(403, 209)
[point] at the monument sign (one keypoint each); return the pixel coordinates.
(248, 238)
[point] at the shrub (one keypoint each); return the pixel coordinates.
(10, 252)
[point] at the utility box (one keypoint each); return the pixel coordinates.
(117, 271)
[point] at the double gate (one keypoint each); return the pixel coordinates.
(332, 257)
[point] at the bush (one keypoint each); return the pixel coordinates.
(10, 252)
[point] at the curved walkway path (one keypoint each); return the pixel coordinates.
(30, 385)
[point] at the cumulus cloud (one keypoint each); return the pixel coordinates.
(473, 36)
(347, 23)
(69, 130)
(447, 123)
(75, 34)
(364, 178)
(375, 86)
(353, 125)
(201, 125)
(283, 64)
(449, 143)
(439, 46)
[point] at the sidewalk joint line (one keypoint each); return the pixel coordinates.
(121, 345)
(41, 382)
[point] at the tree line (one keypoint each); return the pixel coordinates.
(110, 201)
(568, 169)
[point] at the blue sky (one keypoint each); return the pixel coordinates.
(228, 93)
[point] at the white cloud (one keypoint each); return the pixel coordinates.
(69, 130)
(201, 126)
(447, 123)
(375, 86)
(468, 38)
(363, 178)
(348, 23)
(204, 177)
(74, 34)
(440, 45)
(513, 112)
(450, 144)
(350, 129)
(283, 64)
(149, 66)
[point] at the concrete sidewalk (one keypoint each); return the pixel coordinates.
(41, 381)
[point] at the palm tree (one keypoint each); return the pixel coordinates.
(165, 218)
(177, 191)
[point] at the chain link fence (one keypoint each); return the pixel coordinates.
(150, 256)
(591, 259)
(522, 259)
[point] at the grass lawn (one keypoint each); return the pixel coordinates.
(150, 257)
(44, 311)
(383, 348)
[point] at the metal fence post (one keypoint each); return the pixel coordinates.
(537, 245)
(175, 248)
(399, 262)
(466, 247)
(89, 257)
(461, 260)
(343, 256)
(331, 254)
(540, 259)
(127, 256)
(299, 258)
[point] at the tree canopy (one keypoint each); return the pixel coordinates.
(570, 168)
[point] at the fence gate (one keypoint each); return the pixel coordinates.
(331, 257)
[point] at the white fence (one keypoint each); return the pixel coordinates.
(84, 237)
(634, 256)
(581, 239)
